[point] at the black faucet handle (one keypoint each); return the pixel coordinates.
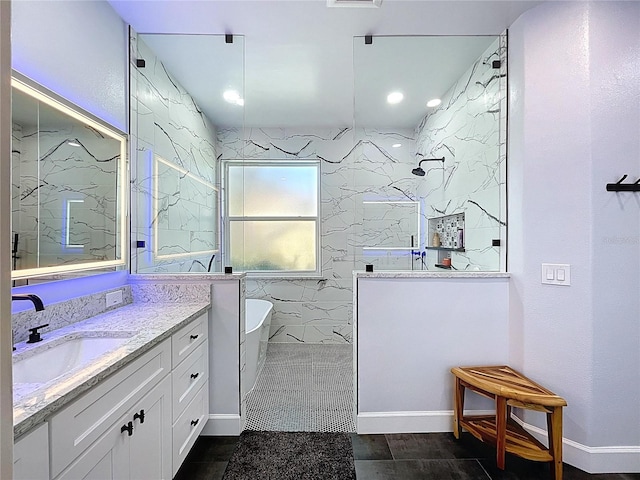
(34, 336)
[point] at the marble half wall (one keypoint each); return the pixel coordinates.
(175, 173)
(469, 130)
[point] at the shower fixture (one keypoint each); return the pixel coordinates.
(419, 171)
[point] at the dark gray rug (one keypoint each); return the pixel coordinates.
(291, 455)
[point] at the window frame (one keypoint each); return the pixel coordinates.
(228, 219)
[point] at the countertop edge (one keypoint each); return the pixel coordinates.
(425, 274)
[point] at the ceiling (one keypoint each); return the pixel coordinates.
(306, 64)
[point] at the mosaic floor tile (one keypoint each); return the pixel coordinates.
(303, 388)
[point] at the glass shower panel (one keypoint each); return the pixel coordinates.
(178, 120)
(448, 214)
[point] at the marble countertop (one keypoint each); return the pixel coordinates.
(428, 274)
(150, 323)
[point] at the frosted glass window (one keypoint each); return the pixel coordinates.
(273, 216)
(273, 245)
(273, 190)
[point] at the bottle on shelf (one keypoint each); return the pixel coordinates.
(435, 241)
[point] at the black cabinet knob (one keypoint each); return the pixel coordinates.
(193, 337)
(194, 375)
(127, 428)
(195, 422)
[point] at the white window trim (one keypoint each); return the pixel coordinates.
(311, 274)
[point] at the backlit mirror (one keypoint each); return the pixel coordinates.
(68, 186)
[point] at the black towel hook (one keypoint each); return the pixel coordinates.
(624, 187)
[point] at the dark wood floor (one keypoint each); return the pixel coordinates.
(402, 457)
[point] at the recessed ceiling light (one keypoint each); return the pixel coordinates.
(434, 102)
(232, 96)
(395, 97)
(396, 145)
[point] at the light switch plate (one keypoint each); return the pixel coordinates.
(556, 274)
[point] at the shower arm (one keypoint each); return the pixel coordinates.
(431, 160)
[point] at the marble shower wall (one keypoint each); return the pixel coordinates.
(354, 168)
(469, 130)
(49, 176)
(175, 173)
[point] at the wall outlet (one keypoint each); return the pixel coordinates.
(114, 298)
(556, 274)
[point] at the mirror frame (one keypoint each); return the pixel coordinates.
(55, 101)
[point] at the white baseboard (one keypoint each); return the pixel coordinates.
(614, 459)
(217, 425)
(409, 422)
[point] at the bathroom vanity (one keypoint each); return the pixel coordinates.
(133, 412)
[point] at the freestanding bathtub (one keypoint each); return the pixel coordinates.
(257, 324)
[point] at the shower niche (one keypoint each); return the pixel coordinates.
(445, 235)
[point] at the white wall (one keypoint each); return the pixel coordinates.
(76, 49)
(575, 118)
(406, 348)
(6, 397)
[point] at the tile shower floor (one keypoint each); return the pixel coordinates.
(303, 388)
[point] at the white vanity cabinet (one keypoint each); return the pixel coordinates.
(137, 423)
(190, 387)
(120, 427)
(31, 455)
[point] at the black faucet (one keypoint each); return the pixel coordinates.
(34, 336)
(37, 302)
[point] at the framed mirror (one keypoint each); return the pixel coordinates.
(68, 186)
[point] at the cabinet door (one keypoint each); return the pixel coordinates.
(106, 459)
(31, 455)
(145, 454)
(84, 421)
(150, 450)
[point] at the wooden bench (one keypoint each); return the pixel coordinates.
(509, 388)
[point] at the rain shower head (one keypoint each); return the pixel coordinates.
(419, 171)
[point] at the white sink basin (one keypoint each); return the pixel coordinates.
(44, 363)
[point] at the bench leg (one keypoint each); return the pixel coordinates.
(501, 431)
(458, 406)
(554, 429)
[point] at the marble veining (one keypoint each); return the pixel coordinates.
(61, 314)
(169, 292)
(425, 274)
(152, 321)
